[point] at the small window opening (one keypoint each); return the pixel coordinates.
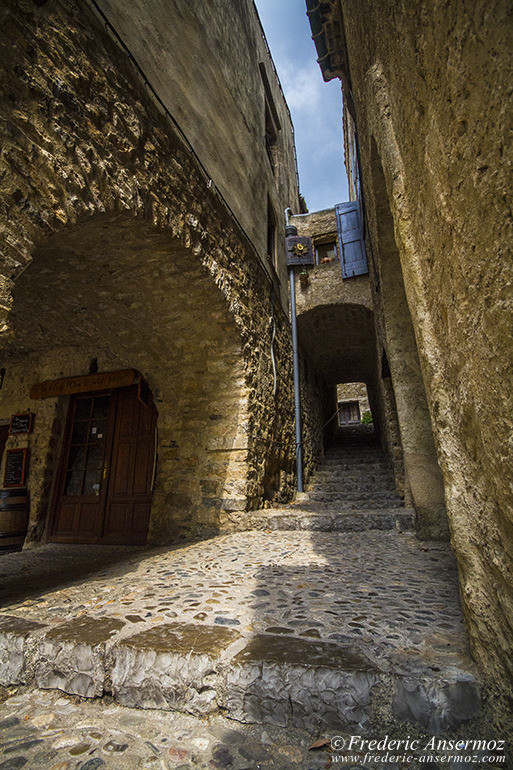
(325, 253)
(271, 137)
(272, 121)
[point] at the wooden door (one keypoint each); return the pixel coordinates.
(349, 412)
(80, 500)
(104, 485)
(131, 470)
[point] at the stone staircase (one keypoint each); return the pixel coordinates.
(353, 490)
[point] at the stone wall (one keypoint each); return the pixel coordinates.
(191, 54)
(431, 94)
(117, 246)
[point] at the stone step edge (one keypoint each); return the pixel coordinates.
(328, 495)
(400, 520)
(263, 678)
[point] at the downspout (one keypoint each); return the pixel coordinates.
(291, 230)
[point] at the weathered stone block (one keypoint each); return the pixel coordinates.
(435, 704)
(71, 657)
(293, 682)
(17, 648)
(175, 665)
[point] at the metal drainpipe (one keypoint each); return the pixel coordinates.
(291, 230)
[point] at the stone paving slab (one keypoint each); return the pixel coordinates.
(382, 594)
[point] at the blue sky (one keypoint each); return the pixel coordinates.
(316, 106)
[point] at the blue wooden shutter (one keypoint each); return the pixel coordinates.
(350, 239)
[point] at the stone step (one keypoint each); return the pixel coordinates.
(375, 493)
(355, 452)
(262, 678)
(347, 462)
(321, 506)
(302, 518)
(344, 500)
(352, 477)
(347, 487)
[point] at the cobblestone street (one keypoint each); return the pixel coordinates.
(385, 589)
(56, 732)
(383, 599)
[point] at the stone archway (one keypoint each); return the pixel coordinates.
(117, 291)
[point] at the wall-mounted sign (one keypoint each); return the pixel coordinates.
(16, 466)
(84, 384)
(299, 250)
(21, 423)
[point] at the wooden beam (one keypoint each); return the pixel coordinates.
(84, 384)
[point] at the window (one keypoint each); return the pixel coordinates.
(325, 252)
(270, 137)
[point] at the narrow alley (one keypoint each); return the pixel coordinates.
(331, 614)
(256, 507)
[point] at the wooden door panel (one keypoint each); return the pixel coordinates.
(104, 487)
(141, 518)
(115, 519)
(87, 519)
(143, 467)
(121, 470)
(80, 486)
(66, 519)
(146, 421)
(131, 473)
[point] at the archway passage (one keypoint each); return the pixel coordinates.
(340, 340)
(115, 293)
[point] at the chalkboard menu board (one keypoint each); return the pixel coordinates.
(21, 423)
(15, 467)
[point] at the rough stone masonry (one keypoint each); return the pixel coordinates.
(118, 248)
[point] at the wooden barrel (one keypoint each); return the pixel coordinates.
(14, 516)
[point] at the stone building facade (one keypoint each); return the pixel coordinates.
(142, 198)
(428, 120)
(352, 402)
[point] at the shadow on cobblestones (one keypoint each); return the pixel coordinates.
(30, 573)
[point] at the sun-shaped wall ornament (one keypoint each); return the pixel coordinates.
(299, 249)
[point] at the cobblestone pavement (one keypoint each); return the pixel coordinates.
(376, 587)
(42, 729)
(48, 730)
